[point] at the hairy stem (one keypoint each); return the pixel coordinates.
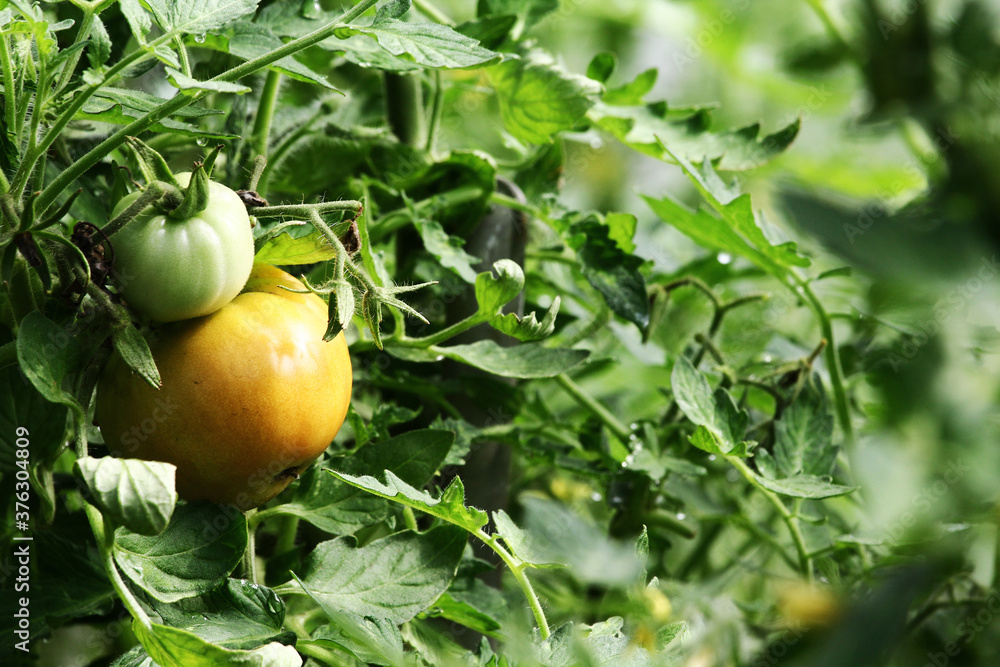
(805, 559)
(517, 569)
(178, 102)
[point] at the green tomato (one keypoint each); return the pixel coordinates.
(171, 270)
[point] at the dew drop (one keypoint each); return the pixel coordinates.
(597, 143)
(201, 141)
(681, 516)
(724, 258)
(200, 38)
(767, 358)
(595, 496)
(711, 457)
(440, 357)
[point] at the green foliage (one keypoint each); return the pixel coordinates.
(751, 421)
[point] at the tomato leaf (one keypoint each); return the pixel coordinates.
(492, 294)
(612, 272)
(539, 99)
(529, 360)
(47, 356)
(804, 435)
(138, 495)
(446, 248)
(341, 509)
(185, 83)
(23, 405)
(174, 647)
(135, 352)
(805, 486)
(655, 129)
(555, 535)
(450, 507)
(528, 328)
(236, 615)
(344, 577)
(721, 426)
(734, 229)
(284, 249)
(199, 548)
(431, 45)
(374, 641)
(189, 17)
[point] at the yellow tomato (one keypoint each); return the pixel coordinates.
(251, 394)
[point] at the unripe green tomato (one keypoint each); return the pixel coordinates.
(251, 394)
(171, 270)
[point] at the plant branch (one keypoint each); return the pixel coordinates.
(516, 567)
(589, 402)
(105, 534)
(178, 102)
(805, 559)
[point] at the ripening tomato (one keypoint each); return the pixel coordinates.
(251, 394)
(171, 270)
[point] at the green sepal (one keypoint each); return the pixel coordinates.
(209, 162)
(62, 210)
(151, 163)
(195, 195)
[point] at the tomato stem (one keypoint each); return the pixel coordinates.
(805, 559)
(619, 429)
(104, 531)
(249, 562)
(260, 138)
(517, 567)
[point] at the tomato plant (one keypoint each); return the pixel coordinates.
(653, 333)
(178, 269)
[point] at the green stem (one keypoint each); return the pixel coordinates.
(432, 12)
(154, 192)
(586, 400)
(288, 528)
(286, 145)
(443, 335)
(832, 357)
(409, 518)
(404, 108)
(105, 534)
(182, 54)
(399, 218)
(260, 138)
(249, 562)
(8, 85)
(79, 99)
(437, 108)
(304, 210)
(805, 560)
(178, 102)
(517, 569)
(831, 26)
(81, 35)
(506, 201)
